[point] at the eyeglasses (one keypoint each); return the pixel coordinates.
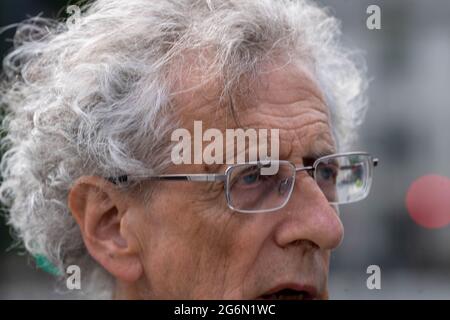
(342, 178)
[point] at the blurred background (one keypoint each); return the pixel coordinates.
(407, 127)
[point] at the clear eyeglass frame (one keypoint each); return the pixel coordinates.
(351, 174)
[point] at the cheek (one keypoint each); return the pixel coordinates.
(187, 250)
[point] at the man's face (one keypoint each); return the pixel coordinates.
(194, 247)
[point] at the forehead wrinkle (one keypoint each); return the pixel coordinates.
(293, 81)
(297, 122)
(308, 100)
(199, 100)
(314, 144)
(285, 114)
(199, 110)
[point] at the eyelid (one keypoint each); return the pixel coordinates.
(245, 171)
(310, 158)
(309, 161)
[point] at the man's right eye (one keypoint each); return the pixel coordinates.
(250, 178)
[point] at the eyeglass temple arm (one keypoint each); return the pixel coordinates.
(171, 177)
(194, 177)
(299, 169)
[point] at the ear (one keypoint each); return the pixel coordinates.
(101, 210)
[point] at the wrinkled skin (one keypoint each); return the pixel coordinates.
(185, 243)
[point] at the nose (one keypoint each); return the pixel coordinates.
(309, 216)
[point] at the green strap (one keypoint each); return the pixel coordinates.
(44, 264)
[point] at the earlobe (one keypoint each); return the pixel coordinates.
(100, 211)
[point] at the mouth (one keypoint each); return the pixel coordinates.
(290, 293)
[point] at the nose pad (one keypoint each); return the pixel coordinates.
(284, 186)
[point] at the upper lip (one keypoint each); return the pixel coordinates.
(302, 291)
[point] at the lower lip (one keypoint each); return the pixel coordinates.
(308, 292)
(300, 296)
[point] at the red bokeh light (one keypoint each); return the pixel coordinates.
(428, 201)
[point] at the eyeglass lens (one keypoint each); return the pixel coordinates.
(341, 178)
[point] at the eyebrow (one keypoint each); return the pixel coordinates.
(320, 151)
(318, 148)
(213, 168)
(324, 143)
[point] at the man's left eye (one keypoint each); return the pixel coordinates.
(327, 173)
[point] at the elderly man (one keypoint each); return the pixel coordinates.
(89, 176)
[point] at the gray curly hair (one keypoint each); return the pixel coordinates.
(94, 99)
